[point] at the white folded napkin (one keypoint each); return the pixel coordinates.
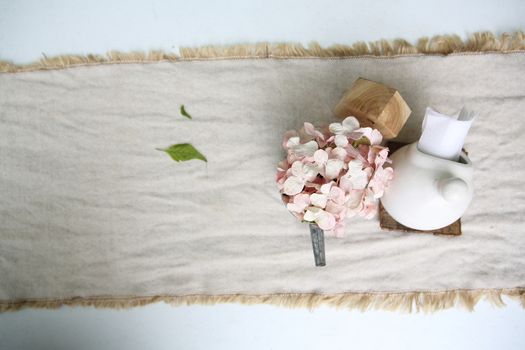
(443, 136)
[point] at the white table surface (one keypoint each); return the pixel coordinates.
(30, 28)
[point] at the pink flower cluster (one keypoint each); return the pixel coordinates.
(333, 173)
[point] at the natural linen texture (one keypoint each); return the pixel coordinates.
(92, 213)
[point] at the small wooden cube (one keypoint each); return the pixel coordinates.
(375, 105)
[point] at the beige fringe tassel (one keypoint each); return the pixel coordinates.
(419, 301)
(407, 301)
(437, 45)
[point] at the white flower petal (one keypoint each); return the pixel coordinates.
(309, 128)
(325, 220)
(356, 175)
(319, 200)
(325, 189)
(354, 199)
(305, 149)
(286, 137)
(299, 204)
(312, 213)
(336, 128)
(294, 208)
(375, 137)
(350, 124)
(339, 153)
(355, 165)
(293, 185)
(333, 167)
(310, 171)
(341, 140)
(360, 181)
(320, 157)
(293, 142)
(355, 135)
(297, 168)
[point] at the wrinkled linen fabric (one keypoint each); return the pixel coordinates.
(89, 207)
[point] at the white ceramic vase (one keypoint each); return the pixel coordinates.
(428, 192)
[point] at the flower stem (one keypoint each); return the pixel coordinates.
(318, 244)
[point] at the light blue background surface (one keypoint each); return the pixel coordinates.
(30, 28)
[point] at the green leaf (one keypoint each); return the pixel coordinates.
(183, 152)
(362, 141)
(184, 113)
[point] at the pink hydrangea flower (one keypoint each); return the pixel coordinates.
(373, 135)
(301, 172)
(332, 173)
(324, 219)
(347, 127)
(298, 204)
(380, 180)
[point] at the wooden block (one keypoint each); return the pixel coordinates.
(375, 105)
(386, 222)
